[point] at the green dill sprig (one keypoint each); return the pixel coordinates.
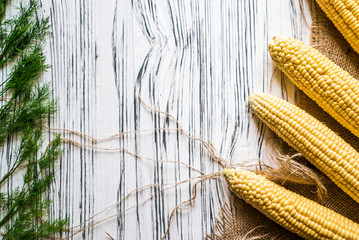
(37, 180)
(3, 4)
(21, 32)
(31, 230)
(45, 161)
(28, 104)
(23, 210)
(25, 73)
(42, 229)
(30, 144)
(17, 116)
(27, 198)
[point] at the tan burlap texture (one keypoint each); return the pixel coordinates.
(237, 220)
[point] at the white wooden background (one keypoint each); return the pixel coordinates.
(196, 59)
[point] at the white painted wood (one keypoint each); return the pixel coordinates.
(199, 61)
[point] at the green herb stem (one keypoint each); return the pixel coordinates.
(29, 105)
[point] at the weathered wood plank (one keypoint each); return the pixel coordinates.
(199, 61)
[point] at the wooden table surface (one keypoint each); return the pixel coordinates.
(199, 61)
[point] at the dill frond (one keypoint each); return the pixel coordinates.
(3, 4)
(39, 229)
(23, 210)
(21, 32)
(36, 182)
(25, 73)
(30, 143)
(17, 116)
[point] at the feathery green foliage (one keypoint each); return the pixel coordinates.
(2, 9)
(23, 210)
(29, 144)
(21, 32)
(30, 112)
(25, 71)
(30, 231)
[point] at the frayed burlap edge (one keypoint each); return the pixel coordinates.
(227, 220)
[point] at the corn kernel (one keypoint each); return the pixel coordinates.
(316, 142)
(298, 214)
(332, 88)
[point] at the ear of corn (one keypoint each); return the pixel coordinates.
(345, 16)
(315, 141)
(298, 214)
(332, 88)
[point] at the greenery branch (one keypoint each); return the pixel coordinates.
(29, 104)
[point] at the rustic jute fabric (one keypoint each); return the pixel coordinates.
(238, 220)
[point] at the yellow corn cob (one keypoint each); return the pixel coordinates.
(315, 141)
(298, 214)
(332, 88)
(345, 16)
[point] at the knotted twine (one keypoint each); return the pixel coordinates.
(238, 220)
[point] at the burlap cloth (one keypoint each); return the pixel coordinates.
(238, 220)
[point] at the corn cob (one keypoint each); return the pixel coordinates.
(298, 214)
(332, 88)
(345, 16)
(315, 141)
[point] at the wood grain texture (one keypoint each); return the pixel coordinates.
(199, 61)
